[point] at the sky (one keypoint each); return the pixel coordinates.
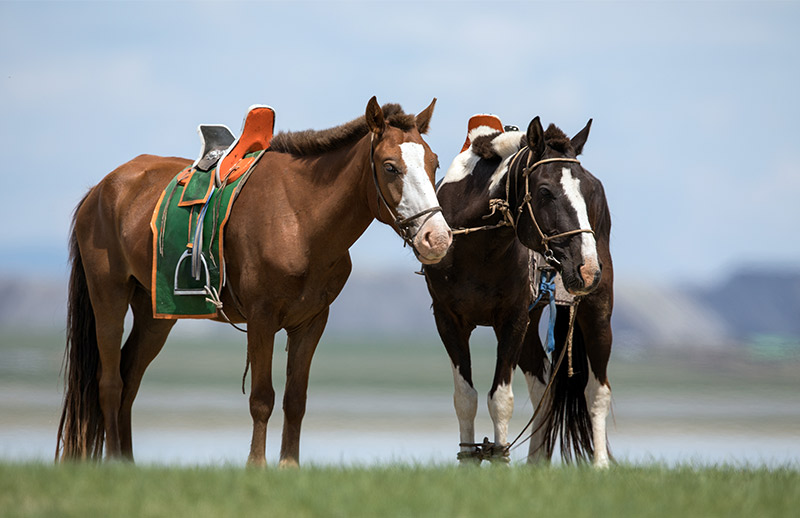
(695, 106)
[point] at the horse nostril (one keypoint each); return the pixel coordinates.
(590, 276)
(426, 238)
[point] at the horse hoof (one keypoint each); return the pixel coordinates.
(288, 464)
(500, 460)
(469, 458)
(253, 462)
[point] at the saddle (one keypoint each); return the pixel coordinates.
(189, 219)
(232, 157)
(475, 126)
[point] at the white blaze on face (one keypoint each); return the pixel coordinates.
(431, 233)
(572, 189)
(418, 193)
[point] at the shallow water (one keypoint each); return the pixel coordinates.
(345, 427)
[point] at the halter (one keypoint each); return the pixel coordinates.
(527, 171)
(402, 224)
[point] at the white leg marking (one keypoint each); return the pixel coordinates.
(465, 400)
(598, 401)
(572, 188)
(501, 407)
(536, 388)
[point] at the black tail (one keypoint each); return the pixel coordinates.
(569, 423)
(81, 430)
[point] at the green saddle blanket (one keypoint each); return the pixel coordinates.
(185, 281)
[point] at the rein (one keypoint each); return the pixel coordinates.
(527, 171)
(402, 224)
(509, 221)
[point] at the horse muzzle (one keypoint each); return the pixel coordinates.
(433, 240)
(584, 280)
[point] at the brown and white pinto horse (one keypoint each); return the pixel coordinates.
(557, 208)
(306, 202)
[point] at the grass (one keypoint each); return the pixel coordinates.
(116, 489)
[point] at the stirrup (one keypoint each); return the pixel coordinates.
(177, 290)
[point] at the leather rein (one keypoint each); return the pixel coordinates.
(402, 224)
(527, 171)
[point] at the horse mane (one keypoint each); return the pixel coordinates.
(316, 142)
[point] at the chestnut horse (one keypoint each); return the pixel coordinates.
(557, 208)
(309, 198)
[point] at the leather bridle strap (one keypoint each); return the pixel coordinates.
(527, 171)
(402, 224)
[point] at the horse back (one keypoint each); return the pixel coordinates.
(112, 223)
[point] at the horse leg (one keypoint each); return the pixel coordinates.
(536, 367)
(509, 331)
(595, 322)
(145, 341)
(110, 304)
(302, 342)
(260, 342)
(465, 398)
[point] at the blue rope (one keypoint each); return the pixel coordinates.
(547, 285)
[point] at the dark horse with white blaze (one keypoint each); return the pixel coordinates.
(549, 204)
(307, 201)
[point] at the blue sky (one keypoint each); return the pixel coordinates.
(695, 105)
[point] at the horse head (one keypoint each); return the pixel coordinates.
(553, 197)
(403, 168)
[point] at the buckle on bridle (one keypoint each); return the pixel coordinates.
(550, 258)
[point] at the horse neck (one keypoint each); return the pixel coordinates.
(342, 180)
(466, 205)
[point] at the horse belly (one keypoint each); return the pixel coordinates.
(476, 296)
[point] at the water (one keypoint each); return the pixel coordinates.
(353, 427)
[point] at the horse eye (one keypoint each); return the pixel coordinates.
(390, 168)
(545, 193)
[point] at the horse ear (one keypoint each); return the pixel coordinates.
(424, 117)
(535, 136)
(580, 138)
(374, 115)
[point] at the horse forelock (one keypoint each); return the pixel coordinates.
(316, 142)
(557, 139)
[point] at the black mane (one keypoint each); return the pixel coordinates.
(317, 142)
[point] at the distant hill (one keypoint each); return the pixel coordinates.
(750, 303)
(755, 301)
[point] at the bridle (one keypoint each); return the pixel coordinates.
(527, 171)
(402, 224)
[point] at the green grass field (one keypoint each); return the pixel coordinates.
(123, 490)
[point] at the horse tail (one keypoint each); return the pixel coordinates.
(569, 423)
(81, 430)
